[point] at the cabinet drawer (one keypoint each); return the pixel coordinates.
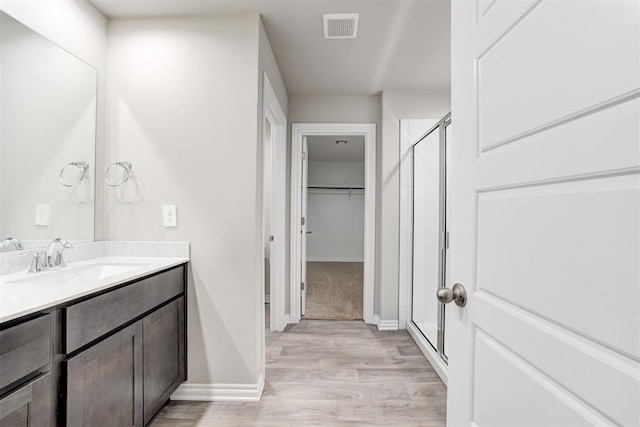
(24, 348)
(90, 319)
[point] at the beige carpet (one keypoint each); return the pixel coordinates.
(334, 290)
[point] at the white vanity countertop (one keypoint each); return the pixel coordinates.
(26, 293)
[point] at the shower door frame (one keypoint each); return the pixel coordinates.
(443, 237)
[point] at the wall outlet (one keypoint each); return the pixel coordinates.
(170, 216)
(42, 214)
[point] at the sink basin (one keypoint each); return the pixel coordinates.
(86, 273)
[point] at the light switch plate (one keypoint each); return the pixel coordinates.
(170, 216)
(42, 214)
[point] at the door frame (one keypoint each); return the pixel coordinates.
(367, 130)
(272, 111)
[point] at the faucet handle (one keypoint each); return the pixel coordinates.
(59, 259)
(37, 262)
(54, 257)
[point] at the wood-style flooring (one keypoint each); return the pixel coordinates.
(331, 373)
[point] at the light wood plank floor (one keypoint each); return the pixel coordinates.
(331, 373)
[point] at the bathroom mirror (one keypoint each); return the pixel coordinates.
(47, 139)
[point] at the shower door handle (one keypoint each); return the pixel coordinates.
(458, 294)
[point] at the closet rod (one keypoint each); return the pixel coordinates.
(334, 188)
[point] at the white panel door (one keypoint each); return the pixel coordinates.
(303, 229)
(545, 231)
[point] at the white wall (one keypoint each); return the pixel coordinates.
(267, 64)
(336, 173)
(183, 108)
(337, 220)
(334, 109)
(79, 28)
(397, 105)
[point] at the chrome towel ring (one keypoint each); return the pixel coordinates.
(119, 179)
(83, 166)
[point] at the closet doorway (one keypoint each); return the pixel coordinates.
(335, 227)
(333, 221)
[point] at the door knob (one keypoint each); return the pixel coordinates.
(458, 294)
(309, 231)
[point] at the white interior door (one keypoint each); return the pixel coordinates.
(303, 229)
(545, 213)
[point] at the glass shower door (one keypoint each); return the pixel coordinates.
(426, 235)
(429, 233)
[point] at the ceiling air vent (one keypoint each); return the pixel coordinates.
(341, 25)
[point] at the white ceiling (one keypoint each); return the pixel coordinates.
(324, 148)
(401, 44)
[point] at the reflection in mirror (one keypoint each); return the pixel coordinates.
(73, 173)
(47, 140)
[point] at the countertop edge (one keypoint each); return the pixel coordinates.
(163, 264)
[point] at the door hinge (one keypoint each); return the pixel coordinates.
(302, 286)
(445, 242)
(304, 155)
(302, 220)
(271, 238)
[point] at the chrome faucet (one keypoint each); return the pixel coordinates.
(54, 255)
(11, 241)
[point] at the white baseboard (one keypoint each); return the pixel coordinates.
(220, 392)
(321, 259)
(428, 351)
(267, 299)
(385, 325)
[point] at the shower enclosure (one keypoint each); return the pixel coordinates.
(430, 154)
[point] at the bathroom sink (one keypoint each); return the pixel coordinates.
(85, 273)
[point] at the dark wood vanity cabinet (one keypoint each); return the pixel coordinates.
(111, 359)
(124, 378)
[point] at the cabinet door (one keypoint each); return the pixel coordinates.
(30, 405)
(104, 382)
(164, 364)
